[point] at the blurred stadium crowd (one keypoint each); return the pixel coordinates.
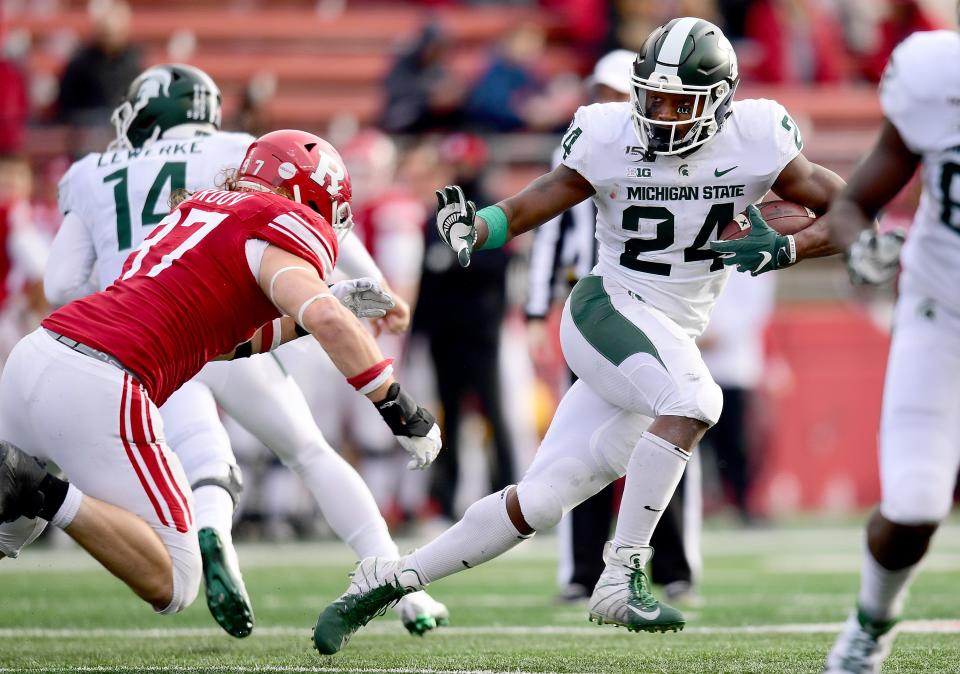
(417, 95)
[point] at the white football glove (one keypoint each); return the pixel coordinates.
(421, 450)
(455, 224)
(414, 427)
(874, 258)
(364, 297)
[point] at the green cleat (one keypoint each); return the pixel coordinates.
(622, 596)
(421, 613)
(862, 645)
(376, 586)
(226, 595)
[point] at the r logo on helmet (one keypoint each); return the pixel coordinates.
(329, 168)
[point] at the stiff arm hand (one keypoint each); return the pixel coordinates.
(455, 222)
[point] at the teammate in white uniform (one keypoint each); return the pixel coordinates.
(666, 172)
(168, 139)
(920, 420)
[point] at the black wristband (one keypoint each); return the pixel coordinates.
(403, 415)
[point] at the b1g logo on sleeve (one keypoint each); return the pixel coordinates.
(329, 169)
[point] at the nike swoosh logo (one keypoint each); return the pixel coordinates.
(767, 259)
(718, 172)
(653, 510)
(645, 615)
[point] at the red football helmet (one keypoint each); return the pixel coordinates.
(307, 167)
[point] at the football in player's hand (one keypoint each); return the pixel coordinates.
(784, 217)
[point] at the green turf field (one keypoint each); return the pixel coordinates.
(773, 602)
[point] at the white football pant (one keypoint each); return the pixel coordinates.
(97, 424)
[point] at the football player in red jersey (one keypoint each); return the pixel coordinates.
(226, 274)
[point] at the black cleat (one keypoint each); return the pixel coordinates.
(20, 478)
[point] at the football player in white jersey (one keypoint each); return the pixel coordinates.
(168, 138)
(920, 418)
(666, 171)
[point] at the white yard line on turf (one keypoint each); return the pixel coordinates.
(907, 626)
(271, 668)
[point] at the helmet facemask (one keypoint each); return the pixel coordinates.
(341, 217)
(696, 120)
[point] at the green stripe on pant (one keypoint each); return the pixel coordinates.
(611, 333)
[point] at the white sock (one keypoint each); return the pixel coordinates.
(653, 472)
(68, 509)
(484, 532)
(346, 503)
(882, 592)
(213, 507)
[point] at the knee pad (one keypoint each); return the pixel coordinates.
(187, 566)
(917, 494)
(540, 504)
(225, 476)
(696, 396)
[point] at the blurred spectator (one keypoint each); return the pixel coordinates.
(464, 336)
(253, 117)
(512, 95)
(99, 72)
(23, 255)
(901, 18)
(734, 14)
(421, 93)
(632, 21)
(793, 41)
(732, 348)
(585, 22)
(14, 107)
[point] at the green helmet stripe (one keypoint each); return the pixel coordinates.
(671, 53)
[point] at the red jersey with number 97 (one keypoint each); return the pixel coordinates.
(188, 294)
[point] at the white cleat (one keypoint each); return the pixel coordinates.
(420, 613)
(862, 646)
(622, 595)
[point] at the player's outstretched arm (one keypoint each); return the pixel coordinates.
(364, 297)
(813, 186)
(302, 294)
(873, 257)
(874, 183)
(464, 228)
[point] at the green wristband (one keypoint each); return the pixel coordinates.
(496, 221)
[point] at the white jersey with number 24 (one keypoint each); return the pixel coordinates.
(655, 218)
